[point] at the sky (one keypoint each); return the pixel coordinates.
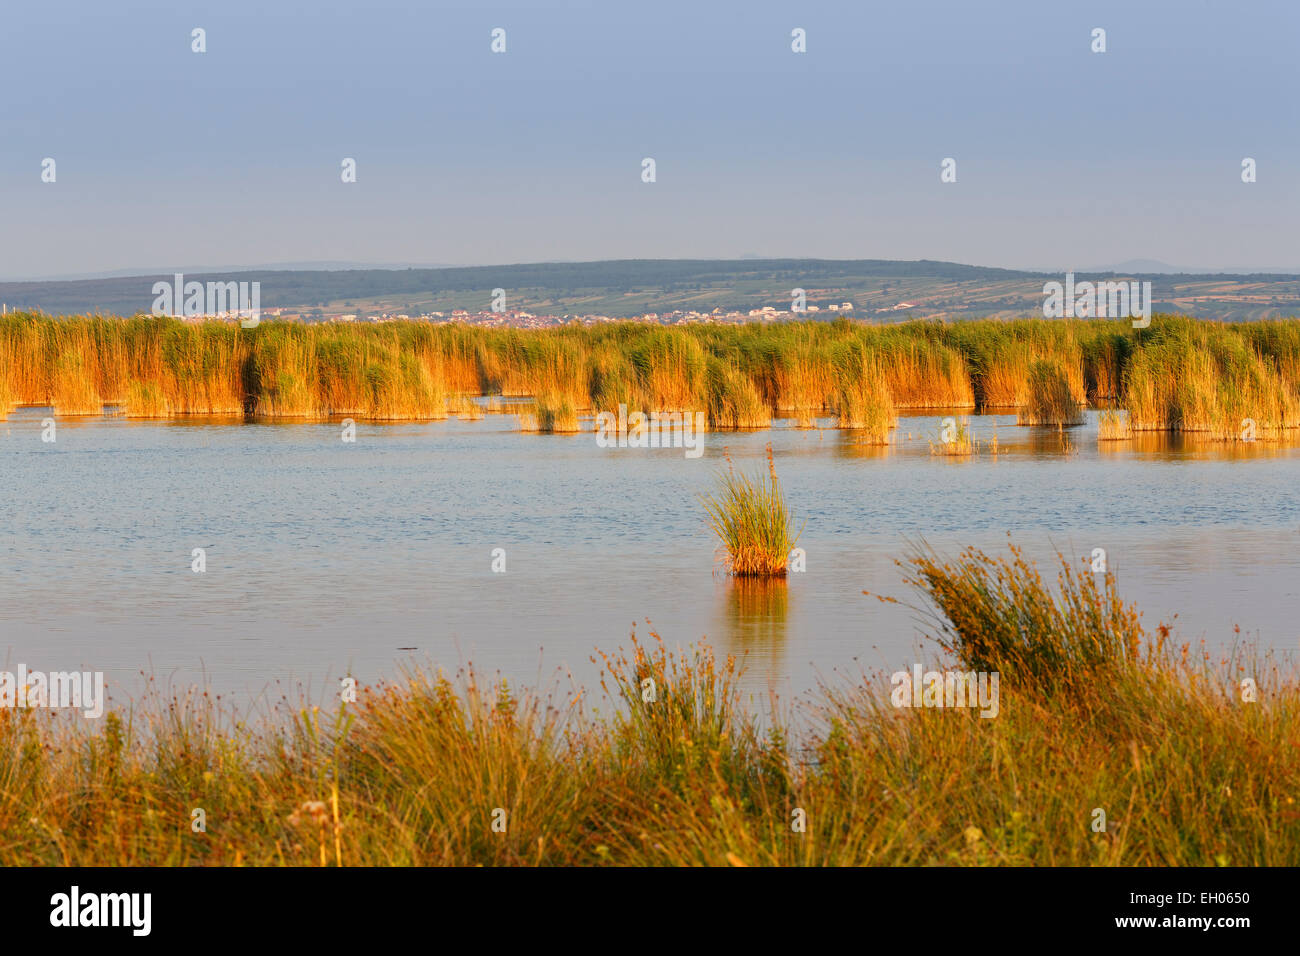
(1065, 158)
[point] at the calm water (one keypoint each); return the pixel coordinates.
(326, 558)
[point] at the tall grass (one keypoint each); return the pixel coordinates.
(551, 413)
(1200, 377)
(953, 439)
(733, 401)
(862, 399)
(1113, 426)
(1047, 397)
(670, 370)
(665, 762)
(750, 517)
(925, 374)
(1177, 375)
(997, 614)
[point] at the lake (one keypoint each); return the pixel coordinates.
(326, 558)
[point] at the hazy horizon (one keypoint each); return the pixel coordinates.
(1065, 158)
(1132, 266)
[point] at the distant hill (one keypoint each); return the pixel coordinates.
(878, 288)
(1149, 267)
(316, 265)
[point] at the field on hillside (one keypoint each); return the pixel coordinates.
(878, 289)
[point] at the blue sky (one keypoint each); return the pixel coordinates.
(1065, 158)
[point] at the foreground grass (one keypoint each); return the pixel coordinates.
(1178, 375)
(666, 767)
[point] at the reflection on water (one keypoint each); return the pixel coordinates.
(1172, 447)
(1046, 442)
(753, 623)
(849, 443)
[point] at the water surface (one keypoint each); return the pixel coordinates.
(326, 558)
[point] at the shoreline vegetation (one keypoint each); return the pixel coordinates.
(1178, 375)
(1095, 714)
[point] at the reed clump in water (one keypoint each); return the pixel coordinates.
(466, 408)
(805, 382)
(203, 369)
(284, 368)
(556, 375)
(952, 438)
(612, 381)
(74, 391)
(1113, 425)
(1048, 398)
(8, 397)
(921, 373)
(9, 393)
(344, 386)
(750, 517)
(550, 414)
(1001, 356)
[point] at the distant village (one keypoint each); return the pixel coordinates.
(523, 319)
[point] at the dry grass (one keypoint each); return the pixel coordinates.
(733, 400)
(1113, 426)
(953, 439)
(1207, 379)
(1048, 399)
(923, 374)
(1177, 375)
(750, 517)
(862, 399)
(466, 408)
(550, 414)
(669, 767)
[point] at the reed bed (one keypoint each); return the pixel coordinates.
(1009, 380)
(750, 517)
(1048, 398)
(1203, 378)
(921, 374)
(1001, 355)
(670, 370)
(804, 382)
(1178, 375)
(862, 399)
(733, 400)
(664, 763)
(10, 396)
(612, 381)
